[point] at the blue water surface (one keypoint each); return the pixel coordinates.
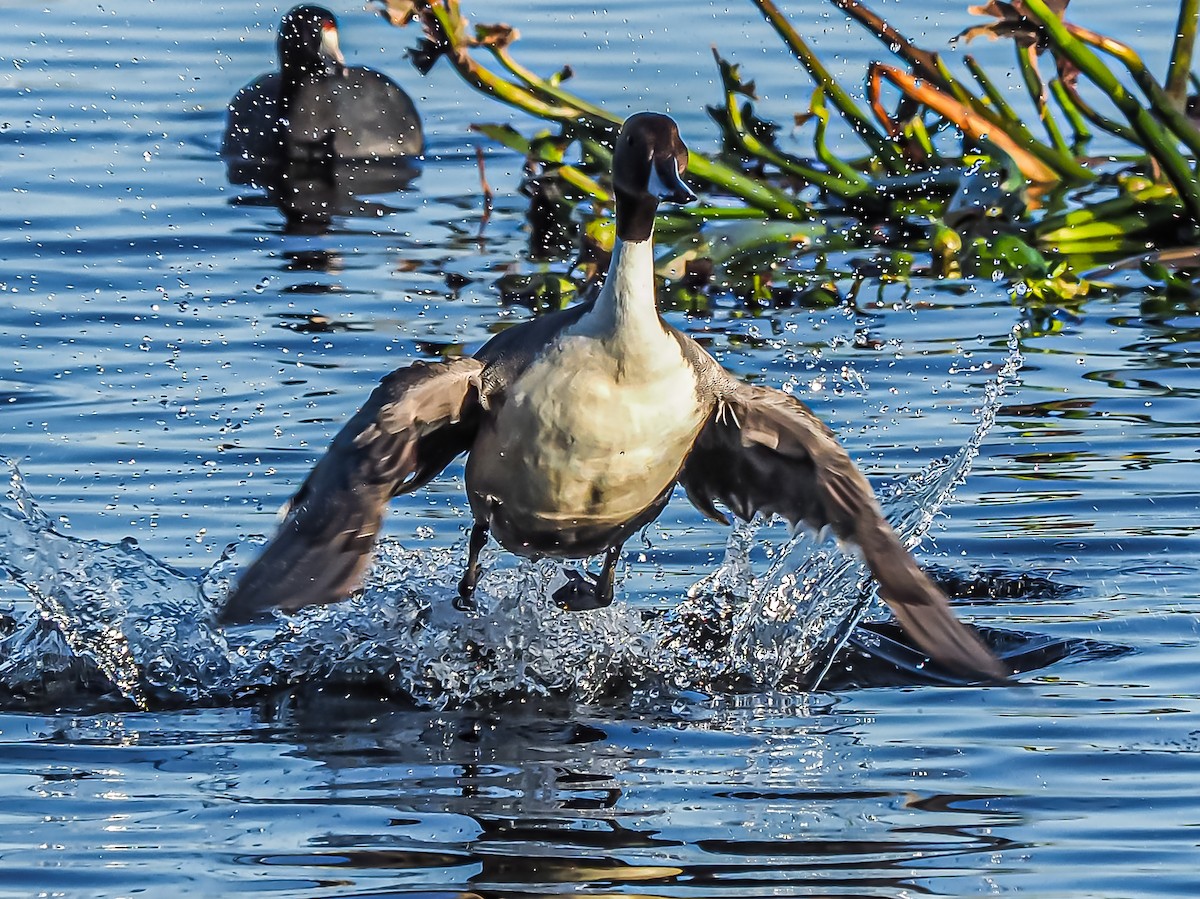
(174, 360)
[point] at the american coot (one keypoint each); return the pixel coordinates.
(578, 425)
(316, 108)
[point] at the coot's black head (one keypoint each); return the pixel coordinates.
(308, 44)
(648, 165)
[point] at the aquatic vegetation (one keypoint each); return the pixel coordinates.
(954, 180)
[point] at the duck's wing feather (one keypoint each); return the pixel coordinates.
(763, 451)
(412, 426)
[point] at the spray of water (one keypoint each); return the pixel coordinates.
(110, 623)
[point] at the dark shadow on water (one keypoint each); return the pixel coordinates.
(310, 193)
(880, 655)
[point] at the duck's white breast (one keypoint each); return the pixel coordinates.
(592, 432)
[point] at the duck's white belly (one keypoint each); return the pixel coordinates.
(584, 441)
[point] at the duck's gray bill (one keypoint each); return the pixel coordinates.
(666, 184)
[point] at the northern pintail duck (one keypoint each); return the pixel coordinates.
(578, 425)
(316, 107)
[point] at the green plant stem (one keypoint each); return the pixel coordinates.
(596, 153)
(1158, 141)
(757, 193)
(718, 213)
(1036, 161)
(923, 62)
(960, 92)
(835, 163)
(1074, 115)
(1181, 52)
(884, 149)
(835, 183)
(1104, 123)
(445, 24)
(1153, 196)
(550, 91)
(1164, 108)
(1037, 93)
(932, 68)
(509, 137)
(538, 97)
(1062, 163)
(1006, 113)
(915, 131)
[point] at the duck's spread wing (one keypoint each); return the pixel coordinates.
(414, 423)
(765, 451)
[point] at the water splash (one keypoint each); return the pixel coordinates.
(825, 623)
(785, 628)
(110, 623)
(107, 617)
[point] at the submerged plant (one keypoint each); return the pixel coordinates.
(951, 169)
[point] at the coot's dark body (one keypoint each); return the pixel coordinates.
(316, 109)
(358, 115)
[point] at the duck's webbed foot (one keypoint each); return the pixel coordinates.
(583, 594)
(466, 587)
